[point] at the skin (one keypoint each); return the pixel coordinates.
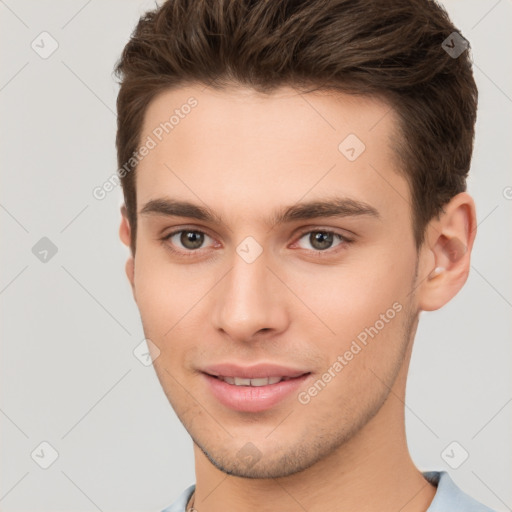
(246, 155)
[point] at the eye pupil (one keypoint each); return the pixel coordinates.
(321, 240)
(192, 239)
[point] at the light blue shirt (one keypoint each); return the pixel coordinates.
(448, 497)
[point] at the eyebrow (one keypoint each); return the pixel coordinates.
(331, 207)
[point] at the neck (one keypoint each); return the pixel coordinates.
(370, 473)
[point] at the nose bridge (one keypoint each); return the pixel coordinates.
(247, 300)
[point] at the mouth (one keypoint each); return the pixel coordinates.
(252, 389)
(255, 382)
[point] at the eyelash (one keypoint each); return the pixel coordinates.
(344, 242)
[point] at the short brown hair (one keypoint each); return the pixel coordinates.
(390, 49)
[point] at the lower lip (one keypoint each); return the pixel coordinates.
(252, 398)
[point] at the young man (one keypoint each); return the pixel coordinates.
(294, 183)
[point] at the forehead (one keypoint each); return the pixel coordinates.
(239, 148)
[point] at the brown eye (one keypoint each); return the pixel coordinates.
(321, 240)
(192, 239)
(186, 240)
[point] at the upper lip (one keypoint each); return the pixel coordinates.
(252, 372)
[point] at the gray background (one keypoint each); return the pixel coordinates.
(69, 325)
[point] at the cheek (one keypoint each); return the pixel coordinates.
(168, 295)
(158, 291)
(367, 348)
(350, 297)
(362, 309)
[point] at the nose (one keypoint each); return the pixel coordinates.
(250, 302)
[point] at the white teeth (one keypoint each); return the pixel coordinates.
(242, 382)
(262, 381)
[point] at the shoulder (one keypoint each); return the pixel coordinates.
(180, 503)
(449, 497)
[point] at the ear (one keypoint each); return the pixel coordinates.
(125, 235)
(445, 256)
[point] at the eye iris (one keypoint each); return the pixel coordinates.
(192, 239)
(321, 240)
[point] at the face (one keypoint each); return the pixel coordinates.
(294, 258)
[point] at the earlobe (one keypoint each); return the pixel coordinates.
(124, 228)
(125, 235)
(130, 273)
(450, 241)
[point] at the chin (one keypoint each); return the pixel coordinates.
(249, 462)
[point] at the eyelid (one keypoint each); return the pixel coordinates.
(169, 235)
(325, 229)
(343, 239)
